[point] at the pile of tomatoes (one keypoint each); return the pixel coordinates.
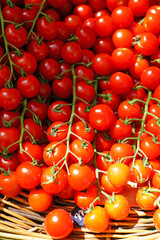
(80, 107)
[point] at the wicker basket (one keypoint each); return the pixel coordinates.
(19, 221)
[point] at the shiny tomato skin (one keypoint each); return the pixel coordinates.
(16, 37)
(53, 153)
(118, 174)
(156, 219)
(53, 186)
(34, 151)
(59, 111)
(58, 223)
(145, 200)
(82, 150)
(119, 130)
(9, 98)
(97, 220)
(71, 52)
(28, 86)
(80, 177)
(118, 209)
(5, 73)
(25, 61)
(102, 64)
(101, 117)
(38, 108)
(127, 110)
(83, 200)
(9, 136)
(9, 161)
(150, 148)
(120, 83)
(47, 30)
(39, 200)
(9, 185)
(28, 175)
(10, 117)
(122, 152)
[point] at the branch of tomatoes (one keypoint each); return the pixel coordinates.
(88, 140)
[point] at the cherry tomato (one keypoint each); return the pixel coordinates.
(59, 111)
(9, 161)
(53, 184)
(58, 223)
(120, 130)
(103, 142)
(120, 83)
(9, 98)
(128, 110)
(97, 220)
(145, 198)
(118, 208)
(83, 130)
(104, 160)
(39, 200)
(9, 138)
(101, 117)
(16, 36)
(5, 73)
(102, 64)
(84, 199)
(54, 49)
(47, 28)
(39, 49)
(71, 52)
(57, 131)
(109, 98)
(139, 172)
(103, 26)
(81, 150)
(108, 186)
(38, 108)
(118, 174)
(9, 184)
(122, 16)
(122, 38)
(122, 152)
(30, 152)
(79, 176)
(28, 175)
(12, 14)
(25, 61)
(146, 44)
(54, 152)
(122, 58)
(156, 219)
(63, 87)
(9, 118)
(49, 68)
(150, 148)
(150, 77)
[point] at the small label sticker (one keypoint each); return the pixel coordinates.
(77, 215)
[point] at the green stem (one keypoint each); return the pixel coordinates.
(35, 20)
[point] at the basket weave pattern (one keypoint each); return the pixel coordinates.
(19, 221)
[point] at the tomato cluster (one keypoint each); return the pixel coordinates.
(80, 107)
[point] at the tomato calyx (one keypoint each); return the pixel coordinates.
(73, 38)
(10, 3)
(84, 144)
(4, 172)
(106, 96)
(150, 190)
(28, 6)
